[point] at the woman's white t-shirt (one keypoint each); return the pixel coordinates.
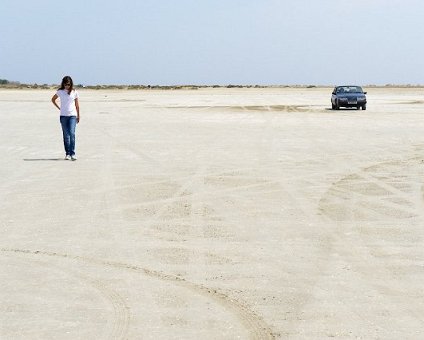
(67, 102)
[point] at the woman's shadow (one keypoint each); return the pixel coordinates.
(42, 159)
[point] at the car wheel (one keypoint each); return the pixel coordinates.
(333, 106)
(358, 107)
(364, 107)
(337, 105)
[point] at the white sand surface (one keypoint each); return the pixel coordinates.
(213, 214)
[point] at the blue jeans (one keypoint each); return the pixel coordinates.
(68, 129)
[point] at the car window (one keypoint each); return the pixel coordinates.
(349, 89)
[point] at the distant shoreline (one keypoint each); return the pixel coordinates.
(186, 87)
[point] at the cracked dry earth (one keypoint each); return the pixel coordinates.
(213, 214)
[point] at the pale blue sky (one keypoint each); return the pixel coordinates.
(213, 42)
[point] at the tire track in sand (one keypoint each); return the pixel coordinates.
(254, 324)
(382, 191)
(121, 311)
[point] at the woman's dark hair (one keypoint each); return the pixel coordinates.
(67, 80)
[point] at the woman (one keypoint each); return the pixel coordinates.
(69, 114)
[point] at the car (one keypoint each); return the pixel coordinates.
(348, 96)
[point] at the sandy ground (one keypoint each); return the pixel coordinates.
(213, 214)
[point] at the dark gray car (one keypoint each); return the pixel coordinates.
(348, 96)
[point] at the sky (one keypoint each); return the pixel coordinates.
(205, 42)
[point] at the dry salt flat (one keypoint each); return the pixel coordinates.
(213, 214)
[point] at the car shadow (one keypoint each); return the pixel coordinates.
(41, 159)
(342, 109)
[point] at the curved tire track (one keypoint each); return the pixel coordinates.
(121, 311)
(254, 324)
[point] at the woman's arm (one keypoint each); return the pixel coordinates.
(54, 101)
(78, 110)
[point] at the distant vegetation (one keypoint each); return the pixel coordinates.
(9, 84)
(4, 83)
